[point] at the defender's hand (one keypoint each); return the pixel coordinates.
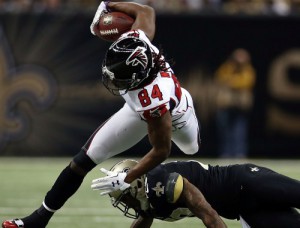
(102, 8)
(112, 182)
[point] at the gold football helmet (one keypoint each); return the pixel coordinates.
(133, 199)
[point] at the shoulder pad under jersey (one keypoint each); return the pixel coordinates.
(174, 187)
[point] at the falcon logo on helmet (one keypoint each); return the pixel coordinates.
(138, 56)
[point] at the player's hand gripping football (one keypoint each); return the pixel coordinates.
(112, 182)
(102, 8)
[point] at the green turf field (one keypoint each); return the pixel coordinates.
(24, 182)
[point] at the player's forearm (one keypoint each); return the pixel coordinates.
(197, 203)
(141, 222)
(144, 16)
(212, 220)
(203, 210)
(130, 8)
(159, 134)
(147, 163)
(208, 215)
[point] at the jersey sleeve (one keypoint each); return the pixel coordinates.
(154, 112)
(164, 187)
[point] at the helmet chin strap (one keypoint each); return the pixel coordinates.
(141, 195)
(145, 205)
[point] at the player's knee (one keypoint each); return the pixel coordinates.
(190, 149)
(96, 154)
(82, 163)
(191, 152)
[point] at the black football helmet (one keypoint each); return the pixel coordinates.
(127, 63)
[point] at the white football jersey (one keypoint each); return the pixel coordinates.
(162, 94)
(126, 128)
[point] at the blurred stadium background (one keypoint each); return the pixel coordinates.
(51, 97)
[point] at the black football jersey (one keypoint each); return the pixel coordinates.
(213, 181)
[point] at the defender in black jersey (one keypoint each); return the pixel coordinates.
(256, 195)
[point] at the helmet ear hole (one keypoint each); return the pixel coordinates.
(139, 184)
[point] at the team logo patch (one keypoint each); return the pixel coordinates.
(155, 112)
(107, 20)
(159, 189)
(137, 57)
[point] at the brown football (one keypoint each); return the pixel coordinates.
(112, 25)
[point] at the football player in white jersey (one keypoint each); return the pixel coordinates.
(155, 105)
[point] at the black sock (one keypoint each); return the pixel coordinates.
(64, 187)
(45, 213)
(38, 219)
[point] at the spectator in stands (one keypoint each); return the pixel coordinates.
(182, 6)
(248, 7)
(295, 7)
(47, 6)
(15, 5)
(236, 79)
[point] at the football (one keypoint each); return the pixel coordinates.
(112, 25)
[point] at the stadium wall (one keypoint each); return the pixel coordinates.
(52, 99)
